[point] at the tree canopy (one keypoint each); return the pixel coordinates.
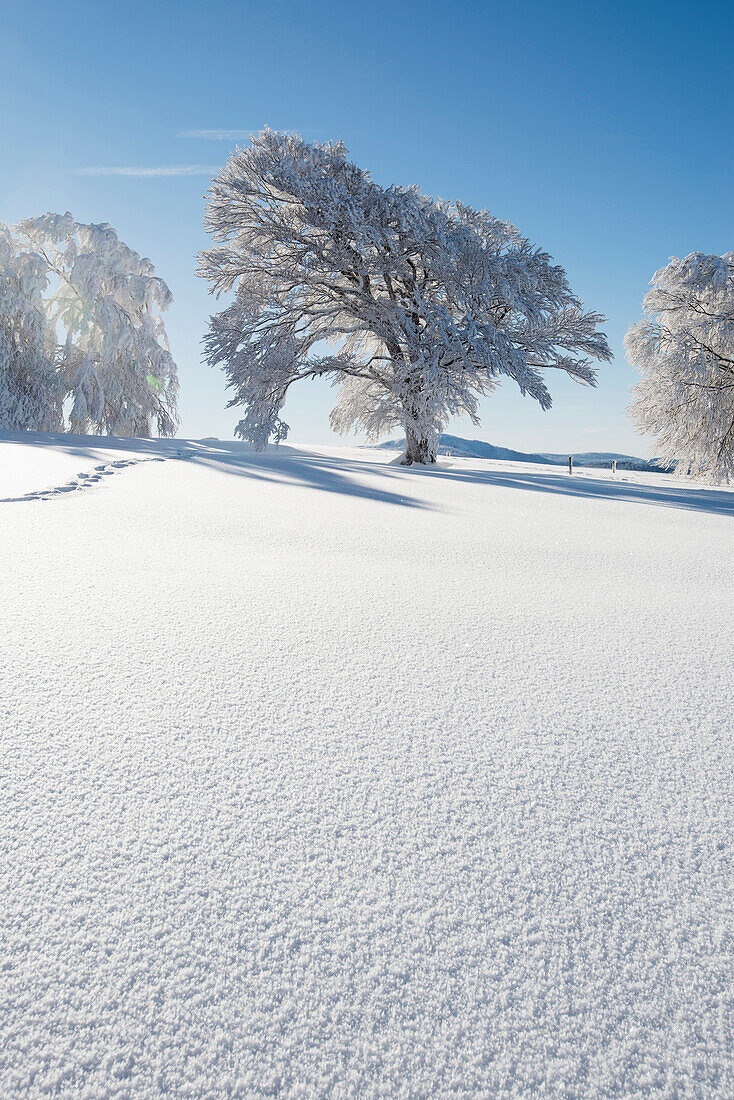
(91, 308)
(414, 307)
(684, 349)
(31, 390)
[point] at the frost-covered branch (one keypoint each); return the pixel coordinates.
(429, 303)
(684, 349)
(31, 389)
(103, 311)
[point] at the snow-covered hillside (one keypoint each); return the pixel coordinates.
(326, 777)
(456, 447)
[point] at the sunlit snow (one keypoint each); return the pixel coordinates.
(327, 777)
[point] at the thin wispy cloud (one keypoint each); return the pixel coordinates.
(220, 135)
(154, 171)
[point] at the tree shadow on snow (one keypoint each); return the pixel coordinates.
(676, 495)
(333, 473)
(342, 474)
(288, 465)
(280, 465)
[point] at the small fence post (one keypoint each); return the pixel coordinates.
(614, 465)
(570, 464)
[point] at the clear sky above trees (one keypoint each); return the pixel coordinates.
(601, 131)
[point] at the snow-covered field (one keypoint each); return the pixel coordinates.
(324, 777)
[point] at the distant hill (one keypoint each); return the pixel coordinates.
(477, 448)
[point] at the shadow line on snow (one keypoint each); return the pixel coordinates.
(716, 502)
(331, 473)
(286, 465)
(336, 474)
(281, 465)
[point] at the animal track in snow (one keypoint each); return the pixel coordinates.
(87, 478)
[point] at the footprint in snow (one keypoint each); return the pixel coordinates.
(86, 479)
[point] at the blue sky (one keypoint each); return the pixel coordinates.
(603, 131)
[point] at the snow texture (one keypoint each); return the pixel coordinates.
(325, 777)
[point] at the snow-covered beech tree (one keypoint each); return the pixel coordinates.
(425, 304)
(684, 349)
(105, 306)
(31, 390)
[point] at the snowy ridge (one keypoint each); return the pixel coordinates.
(328, 778)
(454, 445)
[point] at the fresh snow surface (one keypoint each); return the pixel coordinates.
(329, 778)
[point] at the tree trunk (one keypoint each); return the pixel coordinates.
(417, 449)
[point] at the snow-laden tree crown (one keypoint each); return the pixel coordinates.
(31, 390)
(684, 349)
(426, 304)
(103, 335)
